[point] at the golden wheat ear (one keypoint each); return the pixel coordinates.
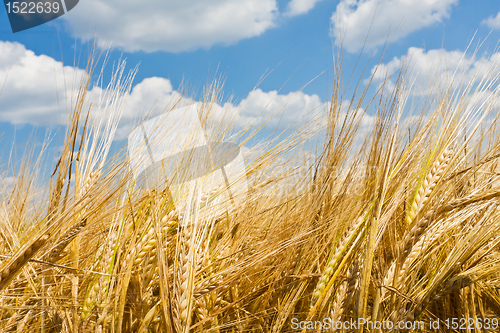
(64, 240)
(13, 266)
(429, 183)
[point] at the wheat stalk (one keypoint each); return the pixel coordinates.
(11, 268)
(342, 246)
(182, 290)
(54, 254)
(426, 187)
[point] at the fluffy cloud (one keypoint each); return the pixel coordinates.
(473, 81)
(298, 7)
(33, 85)
(430, 71)
(355, 20)
(171, 25)
(276, 109)
(492, 22)
(35, 88)
(153, 95)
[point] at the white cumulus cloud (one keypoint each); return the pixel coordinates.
(172, 25)
(34, 86)
(370, 22)
(298, 7)
(155, 95)
(280, 109)
(492, 22)
(431, 71)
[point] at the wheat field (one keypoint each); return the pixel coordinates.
(393, 221)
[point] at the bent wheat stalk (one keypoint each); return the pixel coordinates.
(12, 267)
(428, 184)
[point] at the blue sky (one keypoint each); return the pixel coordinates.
(290, 42)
